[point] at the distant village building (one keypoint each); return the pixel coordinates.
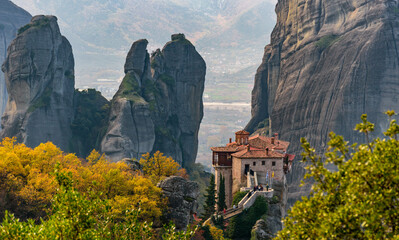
(250, 161)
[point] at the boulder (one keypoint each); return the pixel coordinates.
(182, 200)
(260, 231)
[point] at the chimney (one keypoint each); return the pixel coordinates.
(230, 140)
(248, 148)
(267, 151)
(272, 140)
(276, 136)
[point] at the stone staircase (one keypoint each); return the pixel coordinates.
(246, 202)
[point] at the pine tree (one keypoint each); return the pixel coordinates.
(222, 194)
(210, 201)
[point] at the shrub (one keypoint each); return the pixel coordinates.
(241, 225)
(360, 199)
(238, 196)
(326, 41)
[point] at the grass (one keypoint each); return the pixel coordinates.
(327, 41)
(130, 89)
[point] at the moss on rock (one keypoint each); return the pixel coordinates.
(44, 21)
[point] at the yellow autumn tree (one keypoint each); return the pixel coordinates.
(158, 167)
(28, 181)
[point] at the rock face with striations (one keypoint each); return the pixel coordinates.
(39, 73)
(328, 62)
(159, 103)
(12, 18)
(182, 196)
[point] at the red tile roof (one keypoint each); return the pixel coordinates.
(291, 157)
(257, 153)
(266, 142)
(242, 132)
(258, 145)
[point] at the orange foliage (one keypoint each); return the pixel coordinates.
(27, 180)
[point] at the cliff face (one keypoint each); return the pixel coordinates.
(328, 62)
(11, 19)
(159, 104)
(39, 73)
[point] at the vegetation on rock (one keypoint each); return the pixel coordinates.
(241, 225)
(326, 41)
(170, 81)
(39, 24)
(90, 122)
(43, 100)
(130, 89)
(360, 199)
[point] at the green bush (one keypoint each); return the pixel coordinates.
(327, 41)
(238, 196)
(274, 200)
(241, 225)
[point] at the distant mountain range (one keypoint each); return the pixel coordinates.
(229, 34)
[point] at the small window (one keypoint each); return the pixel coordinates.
(254, 163)
(263, 163)
(273, 163)
(215, 158)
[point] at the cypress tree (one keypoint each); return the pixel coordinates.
(222, 194)
(210, 201)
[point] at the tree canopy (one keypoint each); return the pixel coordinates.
(158, 167)
(59, 196)
(358, 201)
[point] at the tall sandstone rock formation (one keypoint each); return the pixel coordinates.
(12, 18)
(328, 62)
(39, 73)
(159, 103)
